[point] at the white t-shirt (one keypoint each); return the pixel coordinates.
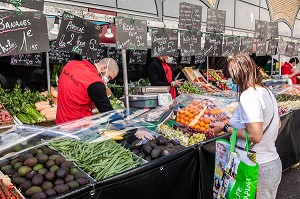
(256, 106)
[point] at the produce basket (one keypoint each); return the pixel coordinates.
(5, 118)
(7, 189)
(193, 75)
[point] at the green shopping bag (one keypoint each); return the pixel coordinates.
(240, 173)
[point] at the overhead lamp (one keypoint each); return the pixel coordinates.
(55, 28)
(108, 33)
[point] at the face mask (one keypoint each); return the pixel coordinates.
(104, 78)
(169, 60)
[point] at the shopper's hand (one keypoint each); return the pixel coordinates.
(143, 135)
(177, 83)
(217, 127)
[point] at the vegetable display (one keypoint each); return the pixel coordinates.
(100, 160)
(47, 110)
(116, 104)
(289, 105)
(8, 191)
(188, 87)
(5, 117)
(171, 133)
(287, 97)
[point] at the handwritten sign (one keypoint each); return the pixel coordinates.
(23, 34)
(186, 60)
(230, 46)
(26, 59)
(58, 55)
(200, 59)
(260, 48)
(114, 53)
(247, 45)
(213, 45)
(296, 49)
(190, 16)
(260, 29)
(215, 21)
(164, 42)
(33, 4)
(289, 50)
(281, 47)
(190, 43)
(272, 30)
(78, 36)
(101, 54)
(272, 47)
(138, 56)
(131, 33)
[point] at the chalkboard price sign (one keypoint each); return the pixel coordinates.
(200, 59)
(190, 16)
(26, 59)
(23, 34)
(296, 49)
(213, 45)
(164, 42)
(261, 48)
(131, 33)
(101, 53)
(230, 46)
(261, 28)
(281, 47)
(247, 45)
(215, 21)
(58, 55)
(78, 36)
(272, 30)
(289, 50)
(272, 47)
(114, 53)
(186, 60)
(138, 56)
(190, 43)
(33, 4)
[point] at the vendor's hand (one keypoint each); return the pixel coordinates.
(217, 127)
(143, 135)
(176, 83)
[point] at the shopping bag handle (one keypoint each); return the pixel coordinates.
(233, 141)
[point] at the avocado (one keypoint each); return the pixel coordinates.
(39, 151)
(10, 172)
(161, 140)
(16, 175)
(50, 175)
(152, 144)
(33, 190)
(135, 151)
(31, 162)
(38, 167)
(39, 196)
(73, 171)
(18, 180)
(79, 175)
(24, 186)
(61, 173)
(148, 158)
(33, 151)
(49, 164)
(166, 152)
(6, 168)
(42, 158)
(179, 147)
(61, 188)
(53, 157)
(25, 156)
(18, 165)
(66, 165)
(174, 142)
(23, 170)
(50, 192)
(46, 185)
(14, 161)
(73, 184)
(147, 148)
(169, 145)
(155, 153)
(54, 168)
(69, 178)
(82, 181)
(48, 151)
(37, 180)
(134, 144)
(42, 171)
(141, 154)
(58, 182)
(17, 148)
(59, 160)
(2, 164)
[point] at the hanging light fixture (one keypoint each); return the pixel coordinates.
(108, 33)
(55, 28)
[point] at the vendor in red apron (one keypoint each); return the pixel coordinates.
(82, 86)
(160, 74)
(290, 69)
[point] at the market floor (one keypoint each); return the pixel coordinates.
(289, 186)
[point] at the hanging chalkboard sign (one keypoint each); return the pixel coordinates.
(261, 28)
(289, 50)
(272, 47)
(164, 42)
(272, 30)
(230, 46)
(58, 55)
(281, 47)
(138, 56)
(186, 60)
(26, 59)
(101, 54)
(175, 59)
(114, 53)
(190, 43)
(23, 34)
(78, 36)
(261, 48)
(131, 33)
(190, 16)
(247, 45)
(33, 4)
(296, 49)
(200, 59)
(213, 45)
(215, 21)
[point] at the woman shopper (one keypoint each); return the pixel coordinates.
(257, 113)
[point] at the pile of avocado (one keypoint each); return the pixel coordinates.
(40, 173)
(155, 149)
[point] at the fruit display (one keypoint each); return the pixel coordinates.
(171, 133)
(155, 149)
(42, 172)
(210, 77)
(5, 117)
(100, 159)
(282, 110)
(223, 86)
(8, 191)
(215, 75)
(289, 105)
(193, 75)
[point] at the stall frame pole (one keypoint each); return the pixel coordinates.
(272, 66)
(125, 79)
(279, 59)
(48, 72)
(207, 66)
